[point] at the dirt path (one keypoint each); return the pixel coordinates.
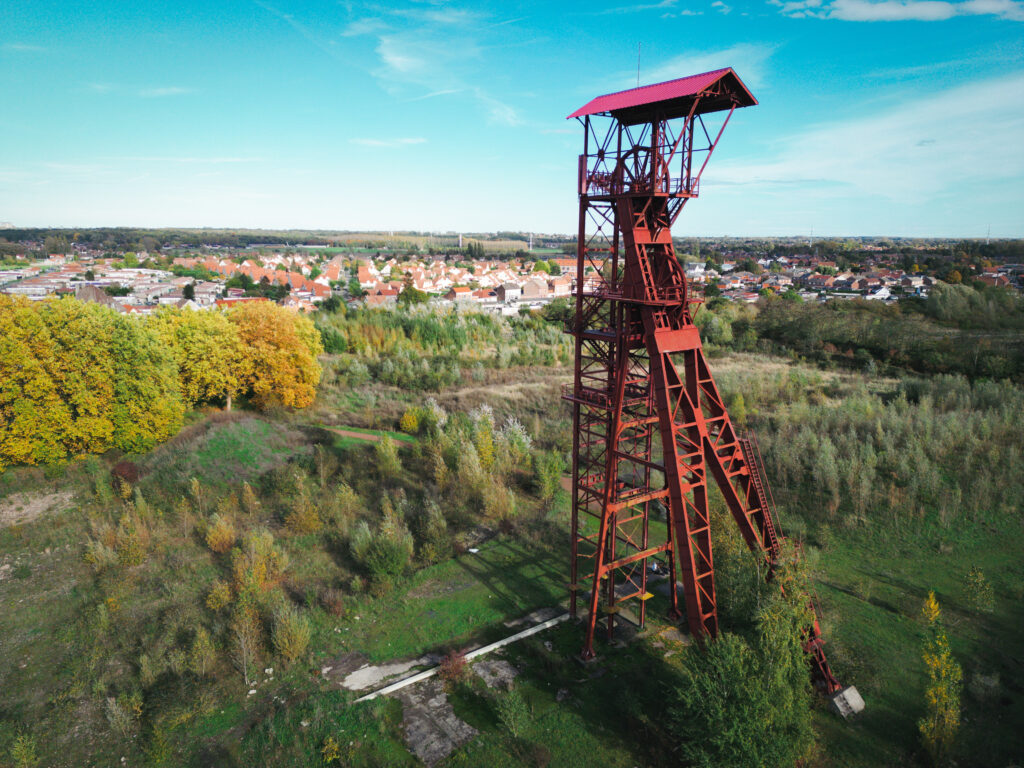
(357, 435)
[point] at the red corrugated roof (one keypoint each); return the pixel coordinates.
(682, 89)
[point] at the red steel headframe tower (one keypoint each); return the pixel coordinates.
(645, 405)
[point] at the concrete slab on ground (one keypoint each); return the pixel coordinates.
(432, 729)
(534, 617)
(496, 673)
(352, 672)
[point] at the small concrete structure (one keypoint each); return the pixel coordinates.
(847, 702)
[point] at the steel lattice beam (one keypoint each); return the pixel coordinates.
(641, 379)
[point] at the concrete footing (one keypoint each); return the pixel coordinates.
(847, 702)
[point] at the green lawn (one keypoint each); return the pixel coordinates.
(450, 605)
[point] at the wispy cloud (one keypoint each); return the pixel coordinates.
(664, 5)
(750, 61)
(508, 21)
(24, 48)
(900, 10)
(436, 51)
(170, 90)
(186, 160)
(390, 143)
(897, 154)
(434, 94)
(721, 7)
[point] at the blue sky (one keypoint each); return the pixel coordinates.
(898, 117)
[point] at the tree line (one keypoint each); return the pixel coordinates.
(77, 377)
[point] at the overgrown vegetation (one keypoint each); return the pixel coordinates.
(251, 552)
(426, 350)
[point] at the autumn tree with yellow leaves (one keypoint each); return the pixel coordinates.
(212, 364)
(33, 416)
(78, 377)
(942, 697)
(282, 348)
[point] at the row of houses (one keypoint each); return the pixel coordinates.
(301, 287)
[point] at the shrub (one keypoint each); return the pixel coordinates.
(439, 467)
(123, 712)
(389, 464)
(980, 591)
(250, 502)
(454, 669)
(303, 516)
(499, 502)
(291, 633)
(198, 494)
(331, 751)
(131, 541)
(219, 596)
(483, 436)
(258, 564)
(326, 464)
(360, 541)
(435, 543)
(149, 669)
(548, 468)
(469, 474)
(23, 751)
(387, 558)
(126, 472)
(99, 555)
(516, 441)
(513, 712)
(333, 601)
(228, 506)
(385, 553)
(202, 653)
(343, 507)
(246, 631)
(220, 534)
(410, 423)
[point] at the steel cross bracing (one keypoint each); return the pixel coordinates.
(649, 423)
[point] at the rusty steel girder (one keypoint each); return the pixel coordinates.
(649, 424)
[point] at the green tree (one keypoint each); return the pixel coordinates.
(541, 266)
(747, 704)
(189, 291)
(548, 469)
(355, 290)
(389, 464)
(411, 295)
